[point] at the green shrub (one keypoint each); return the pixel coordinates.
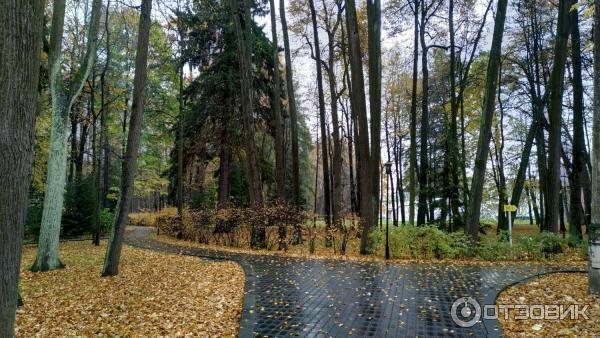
(551, 243)
(426, 242)
(493, 250)
(585, 249)
(79, 207)
(529, 245)
(107, 218)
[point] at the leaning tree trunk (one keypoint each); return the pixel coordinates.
(594, 231)
(554, 114)
(289, 82)
(62, 101)
(483, 142)
(20, 43)
(113, 253)
(367, 203)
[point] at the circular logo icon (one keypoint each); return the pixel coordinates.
(465, 312)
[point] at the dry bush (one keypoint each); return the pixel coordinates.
(149, 218)
(170, 225)
(237, 226)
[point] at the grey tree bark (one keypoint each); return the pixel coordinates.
(113, 252)
(20, 44)
(474, 207)
(62, 101)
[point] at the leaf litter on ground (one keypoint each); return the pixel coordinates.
(155, 294)
(554, 289)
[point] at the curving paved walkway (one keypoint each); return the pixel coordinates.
(332, 298)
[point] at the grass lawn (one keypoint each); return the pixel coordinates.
(155, 294)
(559, 289)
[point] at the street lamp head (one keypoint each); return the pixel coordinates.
(388, 167)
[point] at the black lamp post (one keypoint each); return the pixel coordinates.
(388, 171)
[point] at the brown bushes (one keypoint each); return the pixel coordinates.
(236, 226)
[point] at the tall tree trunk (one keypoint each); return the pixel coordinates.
(20, 43)
(113, 252)
(291, 96)
(243, 30)
(452, 139)
(390, 185)
(529, 210)
(101, 174)
(523, 165)
(424, 158)
(579, 173)
(62, 101)
(336, 162)
(276, 109)
(180, 137)
(224, 154)
(374, 50)
(594, 231)
(474, 207)
(412, 170)
(502, 191)
(324, 138)
(351, 132)
(399, 180)
(367, 202)
(554, 114)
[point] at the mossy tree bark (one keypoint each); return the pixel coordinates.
(113, 253)
(20, 44)
(62, 101)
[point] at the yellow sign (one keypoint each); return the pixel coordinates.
(510, 208)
